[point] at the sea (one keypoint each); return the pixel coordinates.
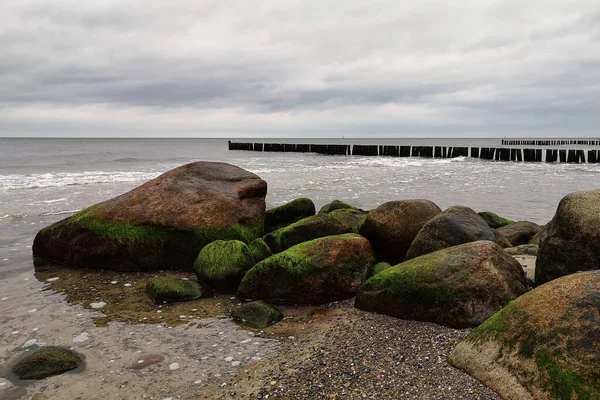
(45, 180)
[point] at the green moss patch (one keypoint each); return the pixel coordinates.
(257, 314)
(47, 361)
(222, 264)
(337, 205)
(168, 290)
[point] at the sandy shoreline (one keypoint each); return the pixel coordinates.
(333, 351)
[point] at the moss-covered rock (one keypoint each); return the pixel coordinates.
(541, 235)
(257, 314)
(460, 286)
(170, 290)
(162, 224)
(45, 362)
(544, 345)
(392, 226)
(259, 250)
(379, 267)
(315, 272)
(222, 264)
(501, 240)
(520, 232)
(337, 205)
(523, 250)
(304, 230)
(454, 226)
(572, 242)
(288, 213)
(494, 220)
(350, 217)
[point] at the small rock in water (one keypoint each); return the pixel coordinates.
(174, 366)
(52, 279)
(81, 338)
(98, 305)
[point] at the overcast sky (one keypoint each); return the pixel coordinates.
(299, 68)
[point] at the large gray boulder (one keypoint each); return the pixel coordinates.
(456, 225)
(572, 241)
(162, 224)
(542, 346)
(460, 286)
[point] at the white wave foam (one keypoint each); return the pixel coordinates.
(60, 212)
(54, 200)
(31, 181)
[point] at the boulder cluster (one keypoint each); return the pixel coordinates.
(406, 258)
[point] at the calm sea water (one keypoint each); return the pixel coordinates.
(44, 180)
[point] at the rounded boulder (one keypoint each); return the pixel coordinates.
(454, 226)
(460, 286)
(392, 226)
(572, 240)
(544, 345)
(222, 264)
(315, 272)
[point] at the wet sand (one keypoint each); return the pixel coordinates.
(135, 349)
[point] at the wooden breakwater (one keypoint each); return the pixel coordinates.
(486, 153)
(549, 142)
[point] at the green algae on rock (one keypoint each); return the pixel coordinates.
(543, 345)
(288, 213)
(379, 267)
(337, 205)
(169, 290)
(45, 362)
(304, 230)
(520, 232)
(460, 286)
(162, 224)
(257, 314)
(494, 220)
(572, 241)
(351, 217)
(314, 272)
(392, 226)
(259, 250)
(222, 264)
(456, 225)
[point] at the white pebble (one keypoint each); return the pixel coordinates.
(235, 363)
(52, 279)
(33, 342)
(114, 282)
(5, 259)
(15, 332)
(197, 382)
(81, 338)
(228, 359)
(246, 341)
(4, 298)
(174, 366)
(32, 310)
(127, 284)
(35, 329)
(140, 361)
(98, 305)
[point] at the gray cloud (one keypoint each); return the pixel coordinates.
(244, 68)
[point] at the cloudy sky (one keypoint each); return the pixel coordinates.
(299, 68)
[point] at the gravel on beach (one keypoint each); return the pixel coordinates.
(346, 353)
